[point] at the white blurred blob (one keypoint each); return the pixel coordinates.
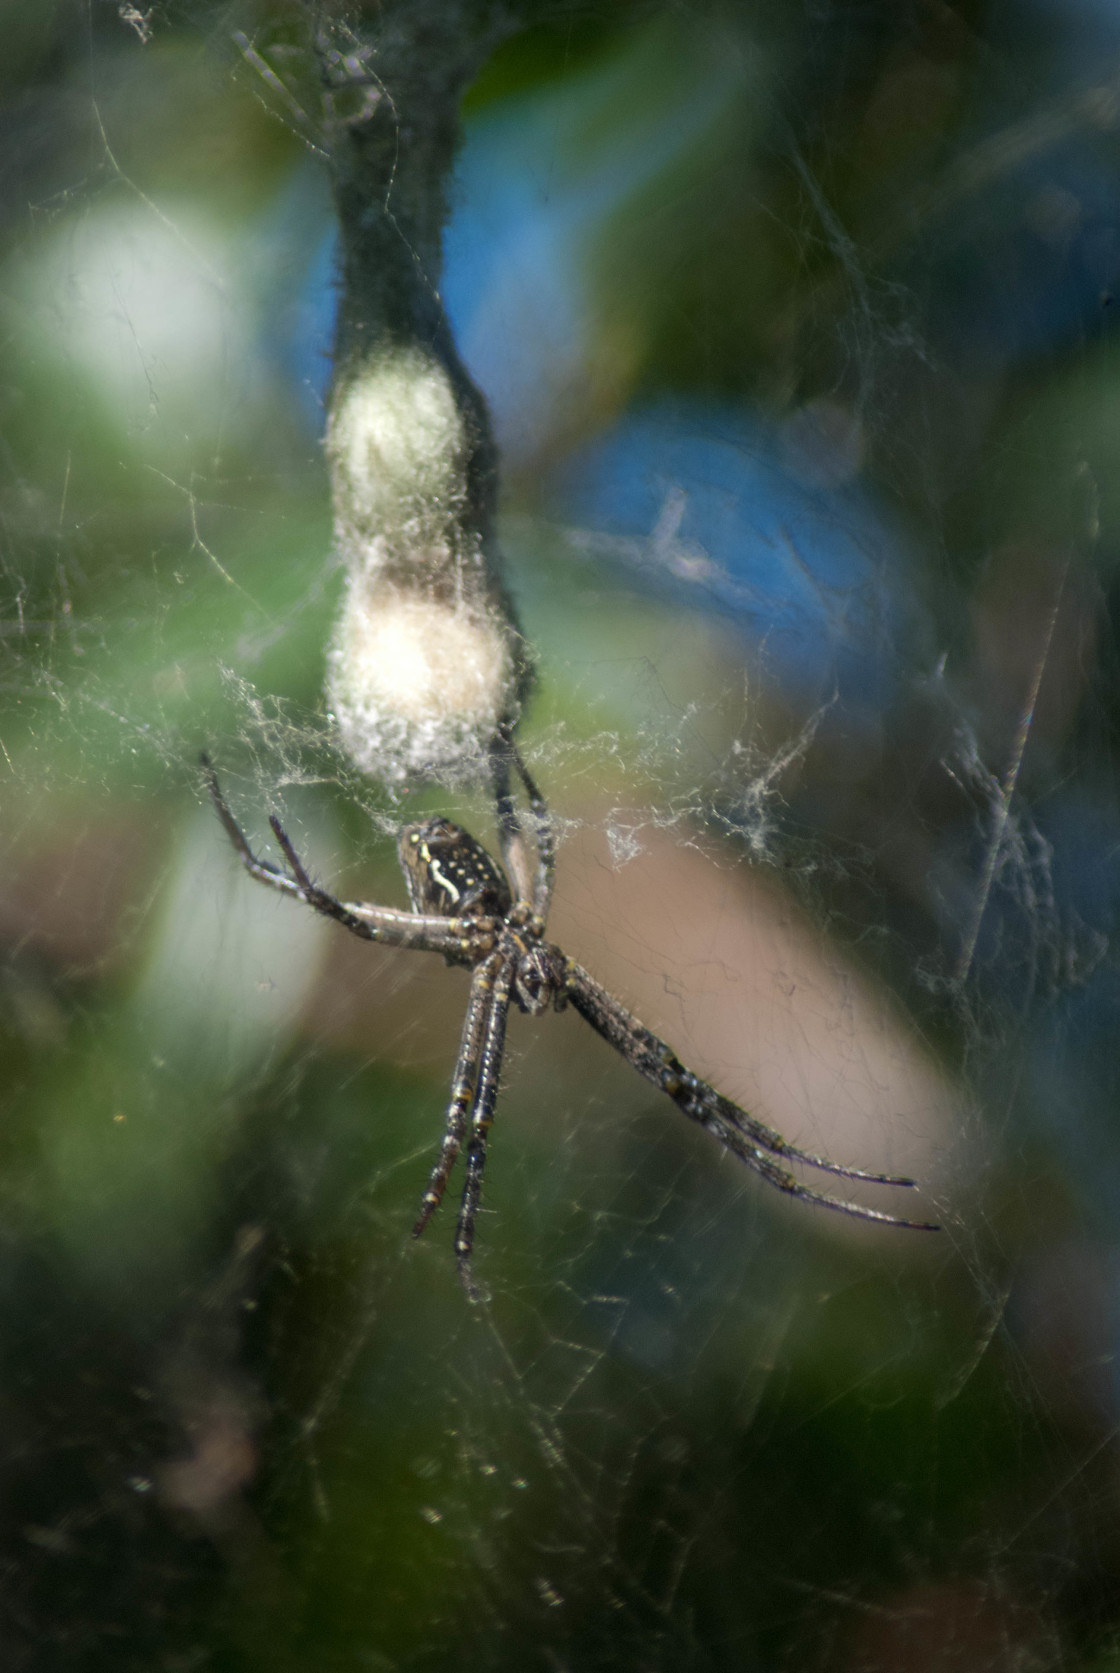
(231, 964)
(138, 304)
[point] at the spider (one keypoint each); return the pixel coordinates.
(492, 920)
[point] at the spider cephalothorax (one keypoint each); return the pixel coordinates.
(465, 906)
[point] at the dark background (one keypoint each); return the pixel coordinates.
(798, 323)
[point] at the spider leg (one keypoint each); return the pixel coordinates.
(512, 840)
(464, 1086)
(532, 881)
(482, 1116)
(382, 924)
(260, 869)
(769, 1139)
(759, 1162)
(751, 1140)
(544, 835)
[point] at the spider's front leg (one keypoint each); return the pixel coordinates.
(532, 878)
(456, 938)
(260, 869)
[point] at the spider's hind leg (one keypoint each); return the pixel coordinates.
(482, 1116)
(464, 1087)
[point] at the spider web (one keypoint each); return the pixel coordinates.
(797, 339)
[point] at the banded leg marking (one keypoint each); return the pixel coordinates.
(463, 1087)
(482, 1117)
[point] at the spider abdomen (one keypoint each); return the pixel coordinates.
(447, 872)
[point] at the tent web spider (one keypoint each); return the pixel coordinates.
(463, 906)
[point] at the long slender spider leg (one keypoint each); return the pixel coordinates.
(320, 899)
(383, 924)
(741, 1133)
(531, 877)
(464, 1086)
(544, 836)
(260, 869)
(512, 841)
(759, 1133)
(769, 1170)
(482, 1116)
